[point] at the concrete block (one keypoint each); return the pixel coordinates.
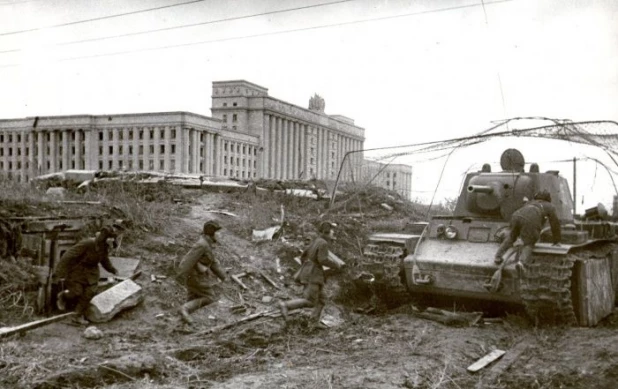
(104, 306)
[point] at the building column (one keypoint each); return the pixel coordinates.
(294, 151)
(185, 150)
(272, 149)
(263, 155)
(64, 156)
(303, 151)
(277, 149)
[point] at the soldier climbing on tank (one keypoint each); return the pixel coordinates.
(311, 276)
(527, 222)
(193, 271)
(78, 271)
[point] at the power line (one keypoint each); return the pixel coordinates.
(189, 25)
(271, 33)
(99, 18)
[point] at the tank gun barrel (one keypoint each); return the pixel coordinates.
(480, 189)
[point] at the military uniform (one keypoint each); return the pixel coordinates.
(526, 223)
(311, 275)
(192, 271)
(79, 267)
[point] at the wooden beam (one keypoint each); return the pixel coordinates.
(8, 331)
(486, 360)
(236, 278)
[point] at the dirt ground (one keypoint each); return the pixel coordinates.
(148, 346)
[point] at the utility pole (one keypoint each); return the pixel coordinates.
(574, 186)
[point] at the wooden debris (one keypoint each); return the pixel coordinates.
(4, 332)
(255, 316)
(486, 360)
(503, 364)
(450, 318)
(236, 278)
(269, 280)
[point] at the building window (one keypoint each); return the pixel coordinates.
(237, 162)
(151, 165)
(10, 151)
(131, 164)
(141, 164)
(232, 147)
(130, 134)
(225, 172)
(225, 104)
(225, 159)
(120, 164)
(235, 104)
(119, 149)
(110, 134)
(162, 134)
(311, 161)
(141, 134)
(387, 175)
(394, 184)
(388, 183)
(234, 128)
(18, 137)
(111, 150)
(162, 149)
(151, 149)
(225, 146)
(73, 150)
(224, 118)
(244, 150)
(100, 165)
(151, 134)
(173, 164)
(73, 164)
(173, 149)
(109, 165)
(173, 133)
(100, 150)
(141, 150)
(254, 164)
(234, 118)
(130, 150)
(120, 135)
(161, 165)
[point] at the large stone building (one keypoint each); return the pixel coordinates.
(395, 177)
(250, 135)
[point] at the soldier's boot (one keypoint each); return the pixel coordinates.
(316, 316)
(187, 308)
(286, 306)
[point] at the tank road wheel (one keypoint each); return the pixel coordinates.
(545, 287)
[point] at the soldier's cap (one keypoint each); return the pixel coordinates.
(325, 227)
(212, 225)
(543, 195)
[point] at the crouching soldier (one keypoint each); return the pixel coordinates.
(311, 275)
(193, 268)
(78, 271)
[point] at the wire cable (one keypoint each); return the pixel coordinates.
(134, 51)
(99, 18)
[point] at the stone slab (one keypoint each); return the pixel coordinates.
(104, 306)
(126, 267)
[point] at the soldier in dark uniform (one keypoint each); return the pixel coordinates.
(527, 222)
(192, 271)
(78, 270)
(311, 275)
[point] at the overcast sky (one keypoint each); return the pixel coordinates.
(406, 71)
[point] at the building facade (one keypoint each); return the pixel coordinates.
(250, 135)
(395, 177)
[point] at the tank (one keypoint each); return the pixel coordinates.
(574, 283)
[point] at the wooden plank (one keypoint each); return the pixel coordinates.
(4, 332)
(503, 364)
(486, 360)
(614, 272)
(596, 294)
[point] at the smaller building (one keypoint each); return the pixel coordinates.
(395, 177)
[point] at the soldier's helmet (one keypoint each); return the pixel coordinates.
(543, 195)
(211, 226)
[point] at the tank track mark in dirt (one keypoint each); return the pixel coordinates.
(546, 283)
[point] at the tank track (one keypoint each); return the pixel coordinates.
(545, 287)
(545, 284)
(383, 261)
